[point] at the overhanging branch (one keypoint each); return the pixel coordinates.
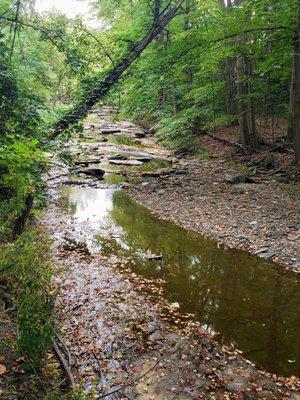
(104, 86)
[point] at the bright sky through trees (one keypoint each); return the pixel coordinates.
(71, 8)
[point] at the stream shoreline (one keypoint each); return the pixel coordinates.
(202, 202)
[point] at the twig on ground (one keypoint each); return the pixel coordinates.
(64, 363)
(60, 339)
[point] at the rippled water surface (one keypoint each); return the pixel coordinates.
(250, 302)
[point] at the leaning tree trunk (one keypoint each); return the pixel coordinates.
(295, 122)
(103, 86)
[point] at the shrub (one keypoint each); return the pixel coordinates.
(20, 175)
(26, 270)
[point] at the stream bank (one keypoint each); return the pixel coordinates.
(124, 330)
(261, 217)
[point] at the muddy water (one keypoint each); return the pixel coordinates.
(250, 302)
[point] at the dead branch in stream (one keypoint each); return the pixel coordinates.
(103, 86)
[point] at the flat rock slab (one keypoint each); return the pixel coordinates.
(134, 163)
(98, 172)
(88, 161)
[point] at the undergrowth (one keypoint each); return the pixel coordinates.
(26, 272)
(177, 133)
(21, 164)
(155, 164)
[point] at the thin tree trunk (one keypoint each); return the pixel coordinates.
(296, 94)
(174, 100)
(248, 134)
(290, 127)
(19, 224)
(103, 86)
(231, 88)
(228, 67)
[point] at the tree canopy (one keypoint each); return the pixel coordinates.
(182, 66)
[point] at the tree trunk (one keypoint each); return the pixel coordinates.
(231, 89)
(228, 67)
(174, 100)
(19, 224)
(289, 137)
(103, 86)
(248, 134)
(295, 124)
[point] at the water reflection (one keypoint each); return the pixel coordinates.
(87, 203)
(249, 301)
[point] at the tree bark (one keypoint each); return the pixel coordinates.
(228, 67)
(19, 224)
(289, 137)
(295, 123)
(231, 89)
(248, 135)
(103, 86)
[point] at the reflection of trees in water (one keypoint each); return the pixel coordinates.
(86, 202)
(233, 292)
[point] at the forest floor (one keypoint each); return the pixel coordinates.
(126, 340)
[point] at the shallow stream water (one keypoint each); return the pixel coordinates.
(252, 303)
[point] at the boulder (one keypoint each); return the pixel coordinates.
(238, 178)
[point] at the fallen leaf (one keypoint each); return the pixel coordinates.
(2, 369)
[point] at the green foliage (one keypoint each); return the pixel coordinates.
(155, 164)
(24, 265)
(180, 81)
(177, 133)
(202, 154)
(20, 175)
(121, 139)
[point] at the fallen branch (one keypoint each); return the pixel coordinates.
(222, 140)
(64, 363)
(61, 341)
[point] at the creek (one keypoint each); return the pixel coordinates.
(252, 303)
